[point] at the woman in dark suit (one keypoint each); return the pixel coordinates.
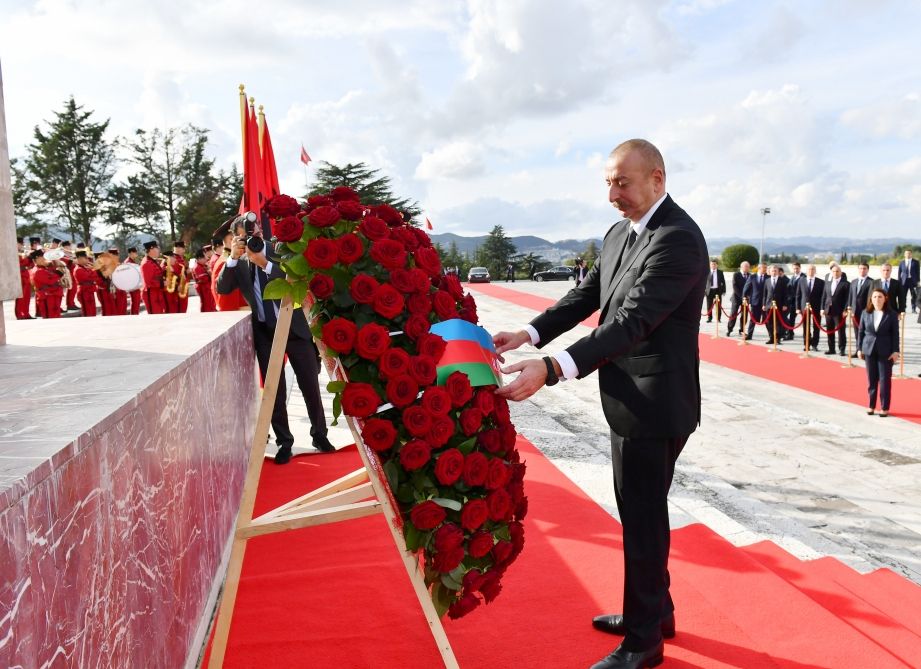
(878, 346)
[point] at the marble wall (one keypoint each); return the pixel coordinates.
(111, 540)
(10, 286)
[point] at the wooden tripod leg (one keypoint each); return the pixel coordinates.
(251, 482)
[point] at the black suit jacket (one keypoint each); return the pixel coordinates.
(776, 293)
(908, 275)
(884, 341)
(754, 289)
(895, 294)
(738, 284)
(720, 282)
(857, 299)
(793, 289)
(241, 276)
(833, 304)
(645, 347)
(814, 297)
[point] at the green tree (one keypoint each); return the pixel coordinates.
(734, 255)
(590, 254)
(532, 262)
(371, 186)
(68, 171)
(496, 251)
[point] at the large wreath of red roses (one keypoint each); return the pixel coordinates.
(448, 451)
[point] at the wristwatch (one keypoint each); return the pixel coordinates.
(552, 379)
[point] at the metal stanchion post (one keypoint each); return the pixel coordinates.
(850, 339)
(744, 314)
(902, 348)
(774, 323)
(807, 317)
(716, 309)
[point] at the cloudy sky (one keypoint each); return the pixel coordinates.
(502, 112)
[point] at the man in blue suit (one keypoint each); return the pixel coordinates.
(754, 291)
(909, 278)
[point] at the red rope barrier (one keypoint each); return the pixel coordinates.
(819, 325)
(793, 327)
(767, 315)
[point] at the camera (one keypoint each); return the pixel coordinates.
(245, 225)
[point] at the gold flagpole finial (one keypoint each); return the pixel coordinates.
(261, 124)
(242, 88)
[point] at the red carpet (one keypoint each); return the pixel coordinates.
(337, 596)
(818, 374)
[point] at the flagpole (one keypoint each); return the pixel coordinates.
(243, 122)
(305, 169)
(261, 124)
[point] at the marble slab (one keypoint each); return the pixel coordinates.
(10, 286)
(123, 446)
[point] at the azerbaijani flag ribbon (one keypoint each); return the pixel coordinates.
(468, 349)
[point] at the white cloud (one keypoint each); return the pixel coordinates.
(899, 118)
(455, 160)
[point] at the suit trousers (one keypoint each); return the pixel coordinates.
(879, 377)
(831, 322)
(303, 358)
(711, 298)
(756, 312)
(735, 305)
(643, 470)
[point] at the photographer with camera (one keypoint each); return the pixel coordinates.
(250, 268)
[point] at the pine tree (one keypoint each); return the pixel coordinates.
(496, 251)
(368, 183)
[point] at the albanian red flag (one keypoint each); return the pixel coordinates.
(305, 157)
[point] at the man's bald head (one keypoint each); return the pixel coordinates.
(646, 150)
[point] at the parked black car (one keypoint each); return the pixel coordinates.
(478, 275)
(561, 273)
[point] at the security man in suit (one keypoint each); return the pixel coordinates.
(811, 289)
(834, 300)
(716, 285)
(859, 295)
(648, 283)
(909, 278)
(775, 293)
(892, 287)
(249, 269)
(754, 291)
(738, 284)
(792, 291)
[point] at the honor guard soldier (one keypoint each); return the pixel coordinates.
(180, 269)
(87, 282)
(203, 280)
(49, 288)
(153, 274)
(120, 296)
(103, 267)
(35, 244)
(68, 260)
(132, 259)
(23, 303)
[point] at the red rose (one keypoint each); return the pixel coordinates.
(437, 400)
(406, 237)
(502, 551)
(483, 400)
(444, 305)
(422, 369)
(402, 390)
(320, 201)
(363, 288)
(359, 399)
(502, 412)
(427, 259)
(344, 194)
(452, 284)
(480, 544)
(427, 515)
(518, 471)
(393, 362)
(350, 248)
(489, 440)
(498, 475)
(476, 468)
(521, 509)
(424, 239)
(282, 206)
(472, 580)
(421, 281)
(391, 216)
(288, 229)
(490, 586)
(468, 315)
(442, 430)
(458, 386)
(471, 420)
(378, 434)
(374, 228)
(468, 309)
(448, 560)
(321, 253)
(372, 341)
(415, 454)
(389, 253)
(463, 606)
(449, 467)
(448, 536)
(325, 216)
(350, 210)
(339, 335)
(417, 420)
(431, 345)
(474, 514)
(416, 326)
(322, 286)
(508, 435)
(499, 505)
(402, 280)
(418, 303)
(387, 301)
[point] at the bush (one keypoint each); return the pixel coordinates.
(734, 255)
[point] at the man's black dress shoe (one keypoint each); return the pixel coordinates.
(625, 659)
(829, 352)
(321, 443)
(283, 456)
(614, 624)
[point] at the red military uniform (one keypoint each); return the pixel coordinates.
(232, 301)
(22, 303)
(72, 291)
(106, 297)
(135, 294)
(203, 287)
(48, 292)
(179, 303)
(87, 281)
(153, 292)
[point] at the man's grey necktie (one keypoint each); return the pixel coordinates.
(631, 239)
(886, 286)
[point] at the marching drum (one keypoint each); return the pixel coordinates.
(127, 277)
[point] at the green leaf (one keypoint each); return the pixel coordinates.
(277, 289)
(337, 408)
(442, 598)
(299, 293)
(343, 299)
(411, 535)
(297, 247)
(392, 470)
(447, 503)
(467, 446)
(335, 386)
(502, 533)
(297, 266)
(449, 582)
(457, 574)
(310, 232)
(405, 494)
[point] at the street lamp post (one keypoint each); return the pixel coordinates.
(764, 212)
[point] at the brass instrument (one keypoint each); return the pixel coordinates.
(170, 284)
(183, 283)
(105, 264)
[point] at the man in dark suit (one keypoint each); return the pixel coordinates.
(909, 278)
(716, 285)
(811, 289)
(834, 300)
(648, 283)
(249, 269)
(859, 295)
(775, 294)
(792, 292)
(892, 287)
(738, 283)
(754, 291)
